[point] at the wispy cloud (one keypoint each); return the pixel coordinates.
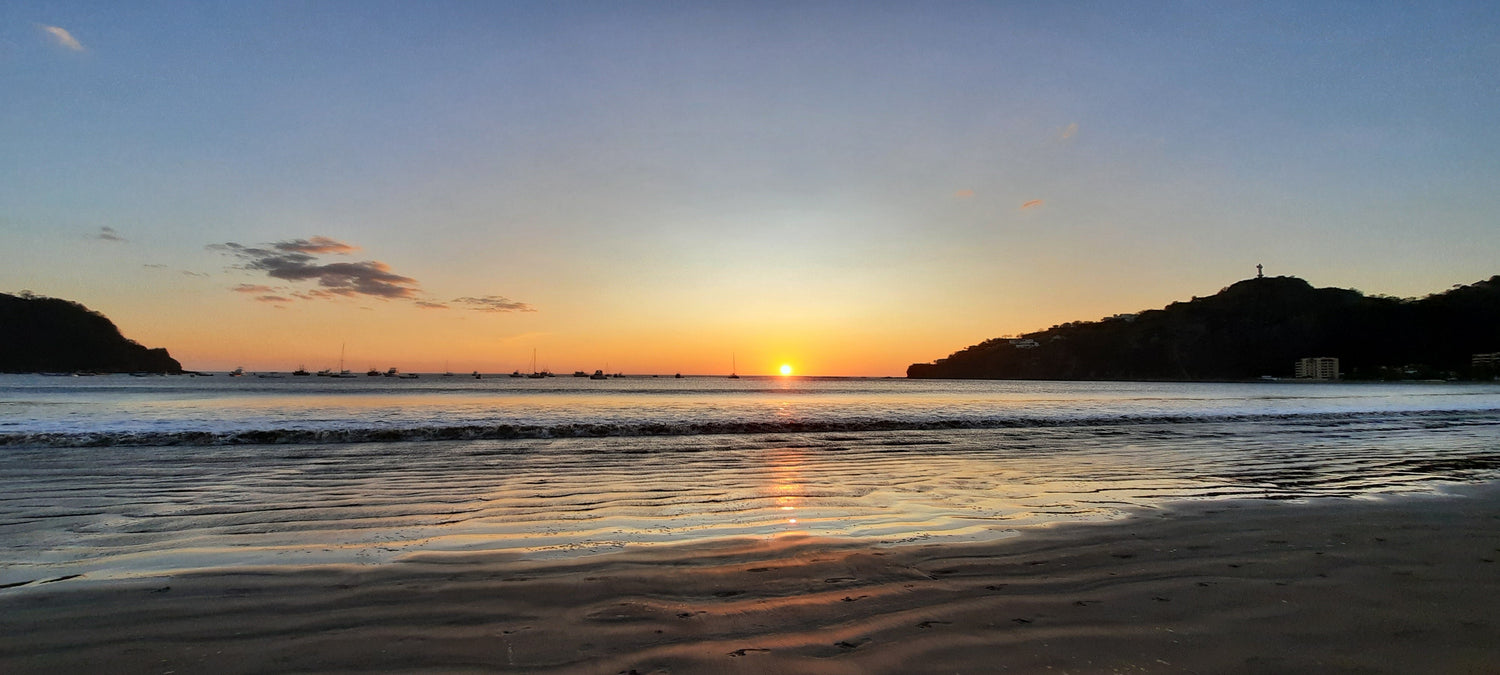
(297, 260)
(1068, 132)
(63, 38)
(1035, 203)
(186, 273)
(315, 245)
(495, 303)
(963, 194)
(108, 234)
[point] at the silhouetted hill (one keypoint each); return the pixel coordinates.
(1255, 327)
(50, 335)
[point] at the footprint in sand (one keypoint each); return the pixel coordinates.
(728, 594)
(850, 644)
(929, 624)
(746, 650)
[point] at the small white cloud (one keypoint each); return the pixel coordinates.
(64, 38)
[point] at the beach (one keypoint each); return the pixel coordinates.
(1395, 584)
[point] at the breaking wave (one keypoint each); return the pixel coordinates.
(469, 432)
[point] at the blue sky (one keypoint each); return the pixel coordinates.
(664, 183)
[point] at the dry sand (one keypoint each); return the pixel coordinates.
(1400, 585)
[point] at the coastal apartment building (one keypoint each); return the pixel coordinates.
(1318, 368)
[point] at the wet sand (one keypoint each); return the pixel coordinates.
(1337, 585)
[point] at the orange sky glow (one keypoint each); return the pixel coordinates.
(846, 188)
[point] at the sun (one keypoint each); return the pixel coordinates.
(786, 369)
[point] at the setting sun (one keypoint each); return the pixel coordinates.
(786, 369)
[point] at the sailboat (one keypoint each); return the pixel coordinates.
(343, 373)
(535, 374)
(734, 367)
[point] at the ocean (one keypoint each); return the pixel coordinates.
(118, 476)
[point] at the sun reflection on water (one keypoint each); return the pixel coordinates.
(787, 482)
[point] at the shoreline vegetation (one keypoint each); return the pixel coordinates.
(1390, 584)
(1253, 329)
(49, 335)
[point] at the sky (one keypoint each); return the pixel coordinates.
(662, 187)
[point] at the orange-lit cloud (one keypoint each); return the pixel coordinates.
(1068, 132)
(495, 303)
(297, 260)
(1035, 203)
(315, 245)
(294, 261)
(964, 194)
(316, 294)
(64, 38)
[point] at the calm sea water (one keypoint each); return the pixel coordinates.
(114, 476)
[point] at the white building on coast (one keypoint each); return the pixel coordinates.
(1318, 368)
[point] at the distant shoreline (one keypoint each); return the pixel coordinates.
(659, 376)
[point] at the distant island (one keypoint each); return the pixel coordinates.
(43, 335)
(1255, 328)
